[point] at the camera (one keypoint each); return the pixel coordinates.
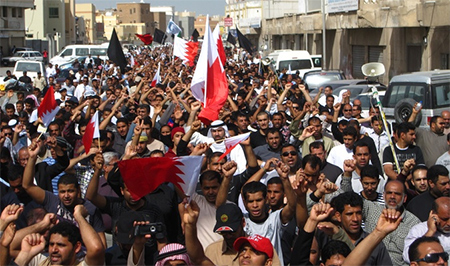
(156, 230)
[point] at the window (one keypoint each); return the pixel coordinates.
(131, 11)
(81, 51)
(53, 12)
(5, 12)
(445, 61)
(134, 10)
(67, 52)
(13, 12)
(20, 12)
(441, 97)
(402, 91)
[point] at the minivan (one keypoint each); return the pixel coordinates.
(431, 88)
(77, 50)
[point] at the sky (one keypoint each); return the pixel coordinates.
(211, 7)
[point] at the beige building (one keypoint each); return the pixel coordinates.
(87, 12)
(135, 13)
(200, 23)
(108, 19)
(12, 24)
(404, 35)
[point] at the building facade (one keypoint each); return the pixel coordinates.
(87, 12)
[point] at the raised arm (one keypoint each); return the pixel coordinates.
(95, 252)
(228, 170)
(193, 246)
(288, 211)
(35, 192)
(92, 190)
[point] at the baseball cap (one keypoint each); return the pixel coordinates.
(89, 93)
(259, 243)
(228, 218)
(143, 137)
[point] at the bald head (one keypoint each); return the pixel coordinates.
(446, 116)
(441, 204)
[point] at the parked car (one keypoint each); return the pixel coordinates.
(367, 101)
(317, 78)
(358, 89)
(63, 74)
(22, 55)
(32, 68)
(69, 64)
(432, 88)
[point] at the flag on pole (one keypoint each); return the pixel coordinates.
(195, 35)
(232, 142)
(115, 52)
(209, 83)
(49, 107)
(157, 77)
(159, 36)
(185, 50)
(219, 43)
(244, 42)
(231, 39)
(92, 132)
(147, 39)
(173, 28)
(183, 172)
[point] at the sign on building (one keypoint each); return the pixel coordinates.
(228, 22)
(335, 6)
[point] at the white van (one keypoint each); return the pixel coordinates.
(71, 52)
(32, 68)
(299, 60)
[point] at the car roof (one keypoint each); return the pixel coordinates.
(318, 71)
(423, 76)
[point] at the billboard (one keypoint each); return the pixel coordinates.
(335, 6)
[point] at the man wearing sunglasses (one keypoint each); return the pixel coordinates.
(427, 251)
(437, 225)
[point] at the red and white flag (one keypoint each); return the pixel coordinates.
(232, 142)
(183, 172)
(49, 107)
(219, 43)
(92, 132)
(157, 77)
(209, 83)
(185, 50)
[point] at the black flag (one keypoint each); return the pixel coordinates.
(231, 39)
(244, 42)
(115, 52)
(159, 36)
(195, 35)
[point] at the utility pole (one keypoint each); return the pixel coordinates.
(324, 38)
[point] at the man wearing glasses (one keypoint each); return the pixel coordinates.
(427, 251)
(437, 226)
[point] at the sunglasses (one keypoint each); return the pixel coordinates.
(286, 154)
(347, 110)
(295, 107)
(434, 257)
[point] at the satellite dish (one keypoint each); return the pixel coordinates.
(373, 69)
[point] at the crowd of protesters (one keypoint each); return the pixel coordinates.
(314, 184)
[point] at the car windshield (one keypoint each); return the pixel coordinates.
(29, 67)
(295, 64)
(441, 97)
(18, 54)
(317, 79)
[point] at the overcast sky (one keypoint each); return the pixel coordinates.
(211, 7)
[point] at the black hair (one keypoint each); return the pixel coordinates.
(350, 131)
(312, 160)
(275, 180)
(122, 120)
(67, 229)
(272, 130)
(213, 155)
(210, 175)
(435, 171)
(144, 106)
(434, 119)
(404, 128)
(148, 121)
(314, 119)
(334, 247)
(156, 152)
(68, 179)
(370, 171)
(347, 198)
(15, 171)
(316, 145)
(254, 187)
(417, 168)
(413, 251)
(360, 144)
(10, 106)
(30, 102)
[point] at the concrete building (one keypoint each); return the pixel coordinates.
(186, 21)
(200, 23)
(108, 18)
(134, 13)
(87, 12)
(404, 35)
(12, 24)
(170, 13)
(48, 22)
